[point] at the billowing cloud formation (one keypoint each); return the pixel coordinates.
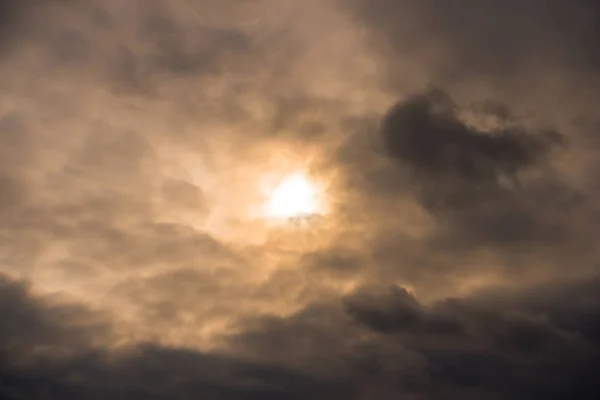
(456, 148)
(539, 343)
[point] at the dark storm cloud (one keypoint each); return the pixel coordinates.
(502, 42)
(425, 132)
(461, 172)
(104, 193)
(489, 196)
(541, 342)
(29, 326)
(50, 351)
(485, 187)
(511, 344)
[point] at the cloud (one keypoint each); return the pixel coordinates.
(476, 179)
(482, 346)
(456, 150)
(50, 351)
(472, 43)
(461, 170)
(424, 132)
(510, 344)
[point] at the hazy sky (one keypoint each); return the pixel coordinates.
(452, 145)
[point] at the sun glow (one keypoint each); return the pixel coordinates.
(295, 196)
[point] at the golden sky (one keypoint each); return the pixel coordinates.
(353, 199)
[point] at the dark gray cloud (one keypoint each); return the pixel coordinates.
(499, 44)
(10, 17)
(485, 346)
(484, 179)
(458, 256)
(50, 351)
(425, 132)
(461, 172)
(541, 342)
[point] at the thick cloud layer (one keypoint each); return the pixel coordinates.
(455, 146)
(541, 343)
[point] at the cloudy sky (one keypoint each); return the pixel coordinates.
(451, 154)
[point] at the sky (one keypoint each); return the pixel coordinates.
(449, 248)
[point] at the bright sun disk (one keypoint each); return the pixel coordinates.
(294, 196)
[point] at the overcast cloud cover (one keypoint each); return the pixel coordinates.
(458, 146)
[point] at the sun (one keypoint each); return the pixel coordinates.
(294, 196)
